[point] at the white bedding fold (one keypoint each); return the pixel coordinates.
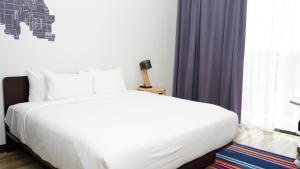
(130, 130)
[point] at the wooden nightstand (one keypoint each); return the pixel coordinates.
(157, 90)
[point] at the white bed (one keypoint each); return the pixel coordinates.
(128, 130)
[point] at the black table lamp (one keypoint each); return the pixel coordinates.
(146, 65)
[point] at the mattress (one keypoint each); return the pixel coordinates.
(129, 130)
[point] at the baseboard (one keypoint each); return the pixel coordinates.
(286, 132)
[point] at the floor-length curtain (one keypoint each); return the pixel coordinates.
(272, 64)
(210, 51)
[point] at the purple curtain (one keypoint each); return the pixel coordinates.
(210, 51)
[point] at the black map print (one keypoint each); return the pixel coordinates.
(33, 13)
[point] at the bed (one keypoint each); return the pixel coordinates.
(128, 130)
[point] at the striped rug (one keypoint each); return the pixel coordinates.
(238, 156)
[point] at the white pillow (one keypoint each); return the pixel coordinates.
(108, 81)
(37, 86)
(60, 86)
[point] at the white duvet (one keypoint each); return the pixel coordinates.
(130, 130)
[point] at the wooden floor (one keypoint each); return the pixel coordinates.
(274, 142)
(280, 143)
(17, 160)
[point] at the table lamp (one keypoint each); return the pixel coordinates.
(145, 65)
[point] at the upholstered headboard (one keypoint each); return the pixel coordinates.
(15, 90)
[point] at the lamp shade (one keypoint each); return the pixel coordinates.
(145, 65)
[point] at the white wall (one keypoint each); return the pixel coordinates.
(97, 33)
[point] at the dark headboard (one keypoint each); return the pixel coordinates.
(15, 90)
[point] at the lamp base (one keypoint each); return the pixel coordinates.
(147, 87)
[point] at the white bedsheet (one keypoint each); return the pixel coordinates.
(130, 130)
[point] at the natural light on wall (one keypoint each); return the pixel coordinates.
(272, 65)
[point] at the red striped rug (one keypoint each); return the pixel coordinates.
(238, 156)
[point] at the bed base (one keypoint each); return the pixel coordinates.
(13, 143)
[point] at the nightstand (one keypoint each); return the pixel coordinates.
(156, 90)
